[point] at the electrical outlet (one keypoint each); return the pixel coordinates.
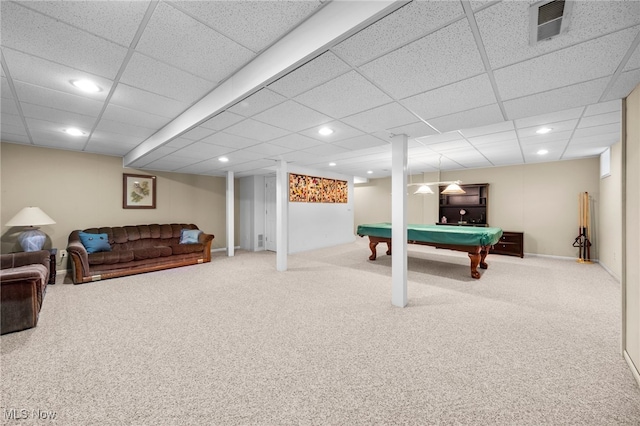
(63, 254)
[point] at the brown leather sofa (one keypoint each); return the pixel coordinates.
(136, 249)
(23, 281)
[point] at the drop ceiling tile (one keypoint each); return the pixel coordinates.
(14, 128)
(292, 116)
(222, 121)
(6, 90)
(413, 130)
(445, 147)
(381, 118)
(600, 139)
(623, 85)
(40, 72)
(257, 102)
(440, 138)
(67, 118)
(580, 63)
(48, 38)
(181, 41)
(57, 100)
(47, 134)
(634, 61)
(600, 119)
(398, 28)
(124, 142)
(178, 142)
(55, 128)
(615, 128)
(504, 28)
(8, 106)
(133, 117)
(13, 119)
(556, 128)
(603, 108)
(253, 24)
(107, 148)
(582, 152)
(197, 133)
(298, 156)
(268, 149)
(157, 154)
(360, 142)
(229, 140)
(9, 137)
(428, 63)
(345, 95)
(120, 128)
(143, 100)
(341, 131)
(556, 100)
(154, 76)
(461, 96)
(295, 142)
(252, 129)
(250, 166)
(499, 137)
(549, 119)
(325, 150)
(200, 167)
(315, 72)
(482, 116)
(201, 150)
(505, 126)
(241, 156)
(115, 21)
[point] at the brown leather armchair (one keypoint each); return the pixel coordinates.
(23, 280)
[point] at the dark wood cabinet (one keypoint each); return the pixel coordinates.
(511, 244)
(474, 202)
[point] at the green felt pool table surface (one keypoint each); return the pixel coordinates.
(438, 234)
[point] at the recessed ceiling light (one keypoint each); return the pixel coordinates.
(370, 172)
(325, 131)
(543, 152)
(332, 164)
(73, 131)
(86, 85)
(223, 159)
(543, 130)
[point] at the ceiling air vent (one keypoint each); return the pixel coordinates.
(549, 19)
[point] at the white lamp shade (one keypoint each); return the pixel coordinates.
(424, 189)
(30, 216)
(453, 188)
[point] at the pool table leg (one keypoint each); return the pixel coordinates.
(483, 256)
(373, 243)
(475, 261)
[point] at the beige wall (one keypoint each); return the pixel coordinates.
(80, 190)
(631, 266)
(610, 216)
(540, 200)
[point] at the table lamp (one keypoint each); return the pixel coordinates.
(31, 239)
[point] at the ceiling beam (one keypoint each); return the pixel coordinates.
(332, 23)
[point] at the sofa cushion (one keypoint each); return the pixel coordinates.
(110, 257)
(189, 236)
(151, 252)
(187, 248)
(95, 242)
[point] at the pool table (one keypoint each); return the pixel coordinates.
(475, 241)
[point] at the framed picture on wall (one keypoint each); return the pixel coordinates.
(138, 191)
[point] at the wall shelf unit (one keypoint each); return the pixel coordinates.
(474, 201)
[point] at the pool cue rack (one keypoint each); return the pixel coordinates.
(583, 240)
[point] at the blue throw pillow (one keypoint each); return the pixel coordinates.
(95, 242)
(189, 236)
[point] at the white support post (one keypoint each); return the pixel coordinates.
(282, 199)
(399, 148)
(230, 215)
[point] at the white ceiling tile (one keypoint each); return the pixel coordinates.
(413, 130)
(461, 96)
(116, 21)
(556, 100)
(623, 85)
(241, 156)
(325, 150)
(200, 167)
(428, 63)
(268, 149)
(583, 62)
(6, 90)
(251, 166)
(22, 139)
(556, 128)
(634, 61)
(345, 95)
(487, 130)
(254, 24)
(456, 146)
(48, 134)
(159, 153)
(123, 142)
(504, 28)
(179, 142)
(120, 128)
(599, 139)
(257, 102)
(197, 133)
(69, 119)
(295, 141)
(614, 128)
(179, 40)
(360, 142)
(134, 117)
(544, 119)
(48, 38)
(252, 129)
(48, 74)
(143, 100)
(56, 128)
(154, 76)
(298, 156)
(58, 100)
(493, 138)
(8, 106)
(582, 152)
(341, 131)
(201, 150)
(315, 72)
(550, 138)
(600, 119)
(13, 120)
(381, 118)
(222, 121)
(603, 108)
(400, 27)
(292, 116)
(229, 140)
(482, 116)
(440, 138)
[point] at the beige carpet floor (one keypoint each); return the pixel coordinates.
(535, 341)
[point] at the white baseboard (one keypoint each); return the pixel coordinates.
(224, 249)
(632, 366)
(551, 256)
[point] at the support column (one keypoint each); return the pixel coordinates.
(399, 148)
(282, 199)
(230, 215)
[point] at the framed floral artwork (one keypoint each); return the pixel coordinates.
(138, 191)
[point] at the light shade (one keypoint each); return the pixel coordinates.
(31, 216)
(453, 188)
(424, 189)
